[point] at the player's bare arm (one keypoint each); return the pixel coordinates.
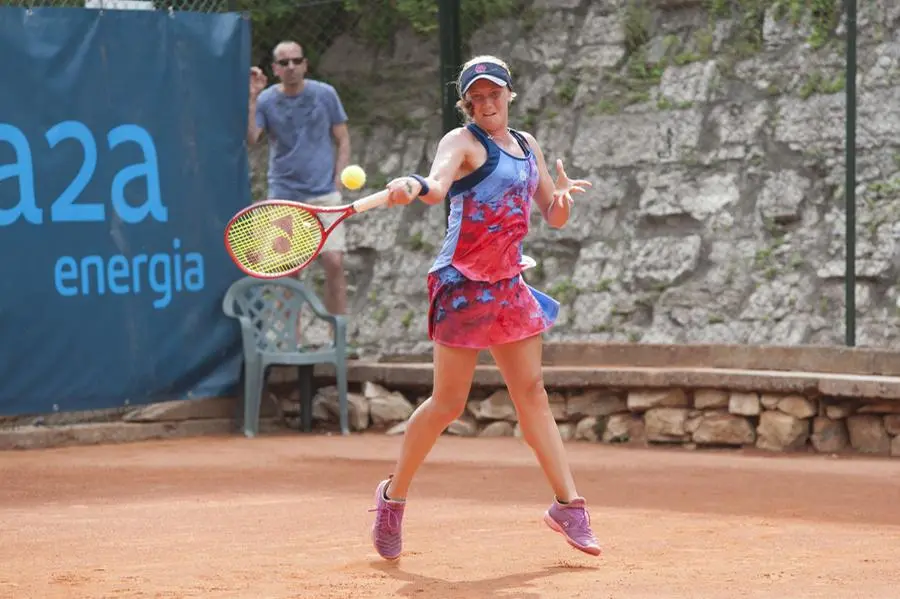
(341, 134)
(451, 155)
(258, 82)
(452, 152)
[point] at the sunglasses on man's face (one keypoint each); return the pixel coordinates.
(295, 61)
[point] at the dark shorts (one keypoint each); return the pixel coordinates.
(478, 314)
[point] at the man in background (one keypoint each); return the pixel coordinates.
(309, 146)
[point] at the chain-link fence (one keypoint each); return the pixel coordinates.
(192, 5)
(342, 39)
(678, 111)
(724, 118)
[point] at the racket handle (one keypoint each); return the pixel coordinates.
(371, 201)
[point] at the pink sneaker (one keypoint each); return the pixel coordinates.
(572, 521)
(386, 531)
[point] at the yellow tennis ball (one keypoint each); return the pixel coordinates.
(353, 176)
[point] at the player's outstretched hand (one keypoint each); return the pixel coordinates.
(402, 191)
(565, 186)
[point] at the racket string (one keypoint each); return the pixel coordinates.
(275, 238)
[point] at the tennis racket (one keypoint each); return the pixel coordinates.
(277, 238)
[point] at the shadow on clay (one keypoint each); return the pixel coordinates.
(501, 587)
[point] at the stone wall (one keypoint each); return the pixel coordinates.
(674, 417)
(690, 418)
(715, 143)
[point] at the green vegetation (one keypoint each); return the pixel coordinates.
(824, 16)
(567, 90)
(637, 22)
(564, 291)
(639, 74)
(417, 243)
(817, 83)
(750, 14)
(317, 24)
(422, 15)
(766, 260)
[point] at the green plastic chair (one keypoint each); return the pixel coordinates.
(267, 310)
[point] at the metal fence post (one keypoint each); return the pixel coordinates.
(451, 51)
(850, 183)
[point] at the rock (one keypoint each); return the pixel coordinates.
(710, 399)
(723, 429)
(696, 170)
(389, 408)
(665, 424)
(743, 404)
(884, 407)
(462, 427)
(689, 83)
(641, 401)
(829, 436)
(769, 401)
(43, 437)
(326, 401)
(674, 194)
(778, 431)
(892, 424)
(290, 407)
(797, 406)
(279, 375)
(594, 403)
(591, 310)
(693, 422)
(868, 435)
(739, 124)
(194, 409)
(472, 406)
(777, 299)
(607, 141)
(498, 406)
(622, 428)
(499, 428)
(320, 411)
(397, 429)
(558, 410)
(371, 390)
(782, 194)
(895, 447)
(585, 429)
(663, 261)
(837, 411)
(566, 431)
(555, 397)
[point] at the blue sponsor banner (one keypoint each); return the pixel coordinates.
(122, 157)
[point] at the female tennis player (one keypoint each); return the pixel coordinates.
(478, 299)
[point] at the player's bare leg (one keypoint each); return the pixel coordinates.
(453, 371)
(335, 282)
(335, 296)
(520, 365)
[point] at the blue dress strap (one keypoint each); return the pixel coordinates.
(523, 143)
(479, 133)
(479, 174)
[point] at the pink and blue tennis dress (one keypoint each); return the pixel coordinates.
(477, 296)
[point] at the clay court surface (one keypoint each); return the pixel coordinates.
(287, 516)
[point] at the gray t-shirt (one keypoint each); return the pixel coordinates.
(301, 150)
